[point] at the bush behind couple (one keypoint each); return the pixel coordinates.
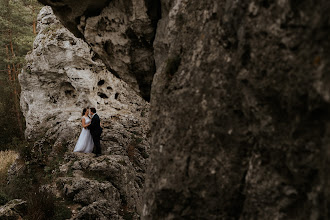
(89, 139)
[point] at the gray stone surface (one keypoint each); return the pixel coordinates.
(240, 111)
(120, 32)
(98, 210)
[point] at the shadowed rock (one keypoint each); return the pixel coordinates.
(240, 111)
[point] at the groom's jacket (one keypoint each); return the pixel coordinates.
(95, 126)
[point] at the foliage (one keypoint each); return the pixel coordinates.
(41, 204)
(3, 198)
(6, 159)
(29, 184)
(21, 147)
(17, 31)
(9, 129)
(17, 22)
(44, 205)
(62, 212)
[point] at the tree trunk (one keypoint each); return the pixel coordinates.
(34, 27)
(34, 22)
(12, 74)
(8, 65)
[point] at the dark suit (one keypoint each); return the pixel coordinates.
(96, 132)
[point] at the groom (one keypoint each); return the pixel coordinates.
(96, 131)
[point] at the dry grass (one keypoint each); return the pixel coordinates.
(6, 159)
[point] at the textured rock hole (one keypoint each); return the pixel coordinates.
(172, 66)
(94, 58)
(102, 25)
(264, 73)
(53, 99)
(109, 88)
(282, 46)
(265, 4)
(246, 55)
(108, 47)
(131, 34)
(72, 42)
(68, 92)
(101, 82)
(116, 95)
(102, 95)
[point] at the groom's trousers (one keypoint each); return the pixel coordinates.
(97, 144)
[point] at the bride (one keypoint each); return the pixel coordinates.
(85, 142)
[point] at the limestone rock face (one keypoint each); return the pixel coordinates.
(240, 111)
(120, 32)
(62, 76)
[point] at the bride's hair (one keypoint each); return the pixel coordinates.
(84, 111)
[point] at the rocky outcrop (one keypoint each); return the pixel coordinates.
(239, 107)
(240, 111)
(62, 76)
(109, 181)
(13, 210)
(120, 32)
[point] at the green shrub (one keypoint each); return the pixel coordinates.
(3, 198)
(43, 205)
(62, 212)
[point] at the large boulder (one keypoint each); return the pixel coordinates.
(106, 182)
(61, 77)
(240, 111)
(120, 32)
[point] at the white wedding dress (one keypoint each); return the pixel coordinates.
(85, 142)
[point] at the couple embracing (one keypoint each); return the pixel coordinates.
(89, 139)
